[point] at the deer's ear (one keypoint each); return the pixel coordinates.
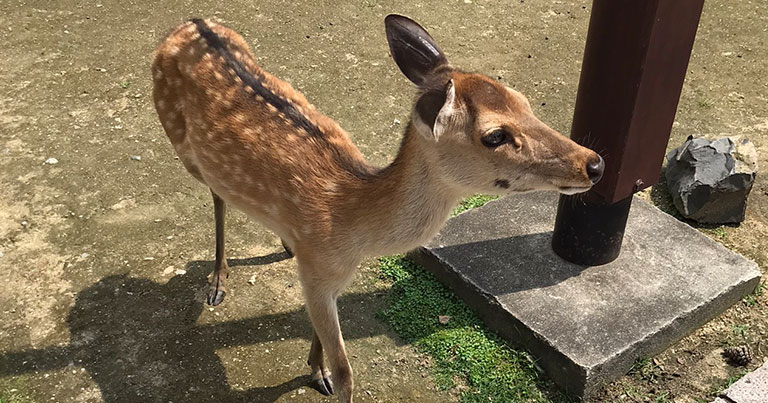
(434, 110)
(413, 49)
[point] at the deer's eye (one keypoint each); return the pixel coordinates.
(494, 138)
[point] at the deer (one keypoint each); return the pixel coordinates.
(261, 147)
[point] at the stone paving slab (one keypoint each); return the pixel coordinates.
(752, 388)
(586, 325)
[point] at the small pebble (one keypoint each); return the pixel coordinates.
(396, 122)
(136, 157)
(149, 258)
(168, 270)
(181, 272)
(25, 223)
(51, 161)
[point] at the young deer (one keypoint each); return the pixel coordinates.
(261, 147)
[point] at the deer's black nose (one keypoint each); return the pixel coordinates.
(595, 169)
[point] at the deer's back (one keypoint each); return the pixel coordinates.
(243, 132)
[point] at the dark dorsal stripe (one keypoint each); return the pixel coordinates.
(281, 104)
(354, 167)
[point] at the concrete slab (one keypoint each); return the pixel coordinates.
(752, 388)
(586, 325)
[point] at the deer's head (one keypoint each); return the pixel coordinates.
(483, 135)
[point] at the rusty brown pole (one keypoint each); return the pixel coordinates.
(634, 65)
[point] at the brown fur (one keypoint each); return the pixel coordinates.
(301, 176)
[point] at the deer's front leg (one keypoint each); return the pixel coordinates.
(321, 305)
(321, 376)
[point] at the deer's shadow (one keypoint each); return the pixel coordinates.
(139, 339)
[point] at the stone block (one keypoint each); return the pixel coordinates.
(585, 325)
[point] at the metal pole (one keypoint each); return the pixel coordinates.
(634, 66)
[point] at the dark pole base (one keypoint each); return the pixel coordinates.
(589, 231)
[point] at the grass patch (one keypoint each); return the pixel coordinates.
(472, 202)
(465, 354)
(14, 390)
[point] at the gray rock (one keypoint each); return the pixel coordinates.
(709, 180)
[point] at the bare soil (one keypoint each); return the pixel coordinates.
(106, 257)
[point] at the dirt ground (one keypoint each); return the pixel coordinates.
(106, 256)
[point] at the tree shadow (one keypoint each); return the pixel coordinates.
(139, 340)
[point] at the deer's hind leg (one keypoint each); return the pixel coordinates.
(220, 269)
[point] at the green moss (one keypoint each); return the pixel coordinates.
(463, 350)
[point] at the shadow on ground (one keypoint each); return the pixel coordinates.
(139, 340)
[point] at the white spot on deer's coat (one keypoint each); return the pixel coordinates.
(330, 186)
(173, 50)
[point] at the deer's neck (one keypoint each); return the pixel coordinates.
(406, 203)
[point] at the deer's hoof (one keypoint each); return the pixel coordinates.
(215, 297)
(324, 386)
(287, 249)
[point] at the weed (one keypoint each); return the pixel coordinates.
(125, 84)
(472, 202)
(753, 298)
(720, 232)
(740, 331)
(646, 369)
(661, 397)
(718, 387)
(705, 103)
